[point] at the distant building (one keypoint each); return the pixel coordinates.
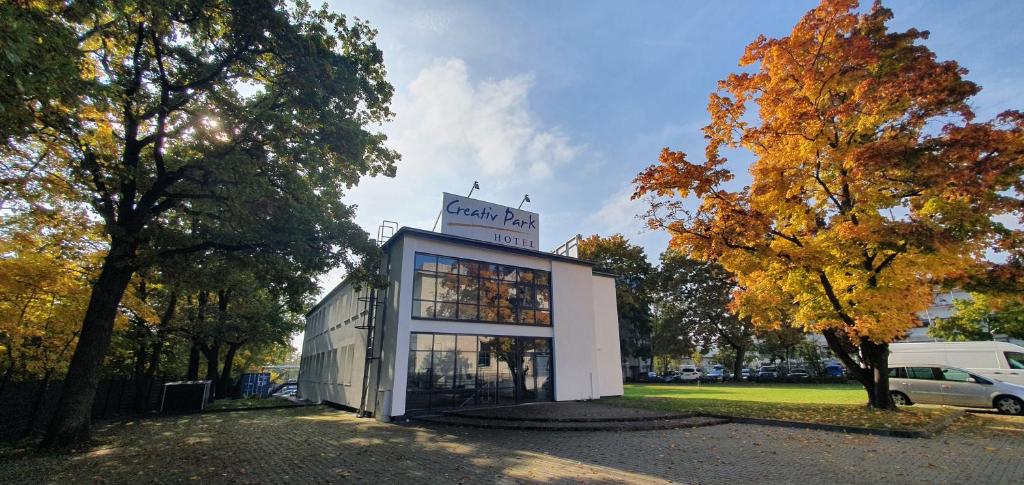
(941, 308)
(472, 316)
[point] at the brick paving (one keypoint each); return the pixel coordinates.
(321, 445)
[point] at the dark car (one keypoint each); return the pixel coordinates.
(767, 373)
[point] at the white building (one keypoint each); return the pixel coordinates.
(474, 315)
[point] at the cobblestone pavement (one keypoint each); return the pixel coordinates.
(320, 445)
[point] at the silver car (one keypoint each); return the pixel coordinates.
(952, 386)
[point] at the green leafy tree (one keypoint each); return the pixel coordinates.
(980, 317)
(693, 299)
(241, 121)
(777, 344)
(628, 262)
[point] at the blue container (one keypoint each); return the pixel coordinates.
(256, 384)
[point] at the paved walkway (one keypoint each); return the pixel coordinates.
(326, 446)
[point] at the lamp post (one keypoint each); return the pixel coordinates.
(526, 198)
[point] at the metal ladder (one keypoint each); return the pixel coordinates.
(385, 231)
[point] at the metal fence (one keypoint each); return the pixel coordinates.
(26, 407)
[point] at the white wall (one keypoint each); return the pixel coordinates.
(333, 350)
(576, 369)
(606, 325)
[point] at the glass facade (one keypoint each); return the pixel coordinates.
(446, 288)
(452, 371)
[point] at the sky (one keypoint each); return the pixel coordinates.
(568, 101)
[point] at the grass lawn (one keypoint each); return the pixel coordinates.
(841, 404)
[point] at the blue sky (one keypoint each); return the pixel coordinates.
(567, 101)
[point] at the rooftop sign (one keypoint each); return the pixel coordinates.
(484, 221)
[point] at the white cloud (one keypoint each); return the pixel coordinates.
(446, 121)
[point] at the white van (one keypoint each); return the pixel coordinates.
(1001, 361)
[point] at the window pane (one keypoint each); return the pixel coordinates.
(468, 312)
(542, 278)
(467, 267)
(488, 313)
(466, 343)
(424, 286)
(417, 400)
(526, 316)
(443, 342)
(465, 370)
(526, 275)
(469, 289)
(490, 291)
(508, 273)
(920, 373)
(427, 262)
(419, 371)
(444, 399)
(421, 341)
(528, 298)
(543, 295)
(448, 288)
(444, 370)
(527, 344)
(542, 346)
(543, 318)
(505, 315)
(445, 264)
(423, 309)
(488, 270)
(446, 311)
(955, 375)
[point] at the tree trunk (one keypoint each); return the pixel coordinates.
(212, 354)
(224, 383)
(872, 369)
(70, 422)
(7, 373)
(193, 363)
(737, 364)
(876, 358)
(37, 403)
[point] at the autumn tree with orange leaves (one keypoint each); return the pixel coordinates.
(873, 184)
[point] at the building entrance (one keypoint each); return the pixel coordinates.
(455, 371)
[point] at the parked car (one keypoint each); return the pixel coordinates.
(835, 370)
(745, 373)
(714, 375)
(671, 377)
(767, 373)
(649, 377)
(798, 374)
(288, 390)
(1001, 361)
(953, 386)
(689, 373)
(718, 373)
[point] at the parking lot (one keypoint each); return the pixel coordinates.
(319, 444)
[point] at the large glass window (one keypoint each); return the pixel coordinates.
(447, 371)
(447, 288)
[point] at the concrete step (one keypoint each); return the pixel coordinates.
(476, 414)
(534, 425)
